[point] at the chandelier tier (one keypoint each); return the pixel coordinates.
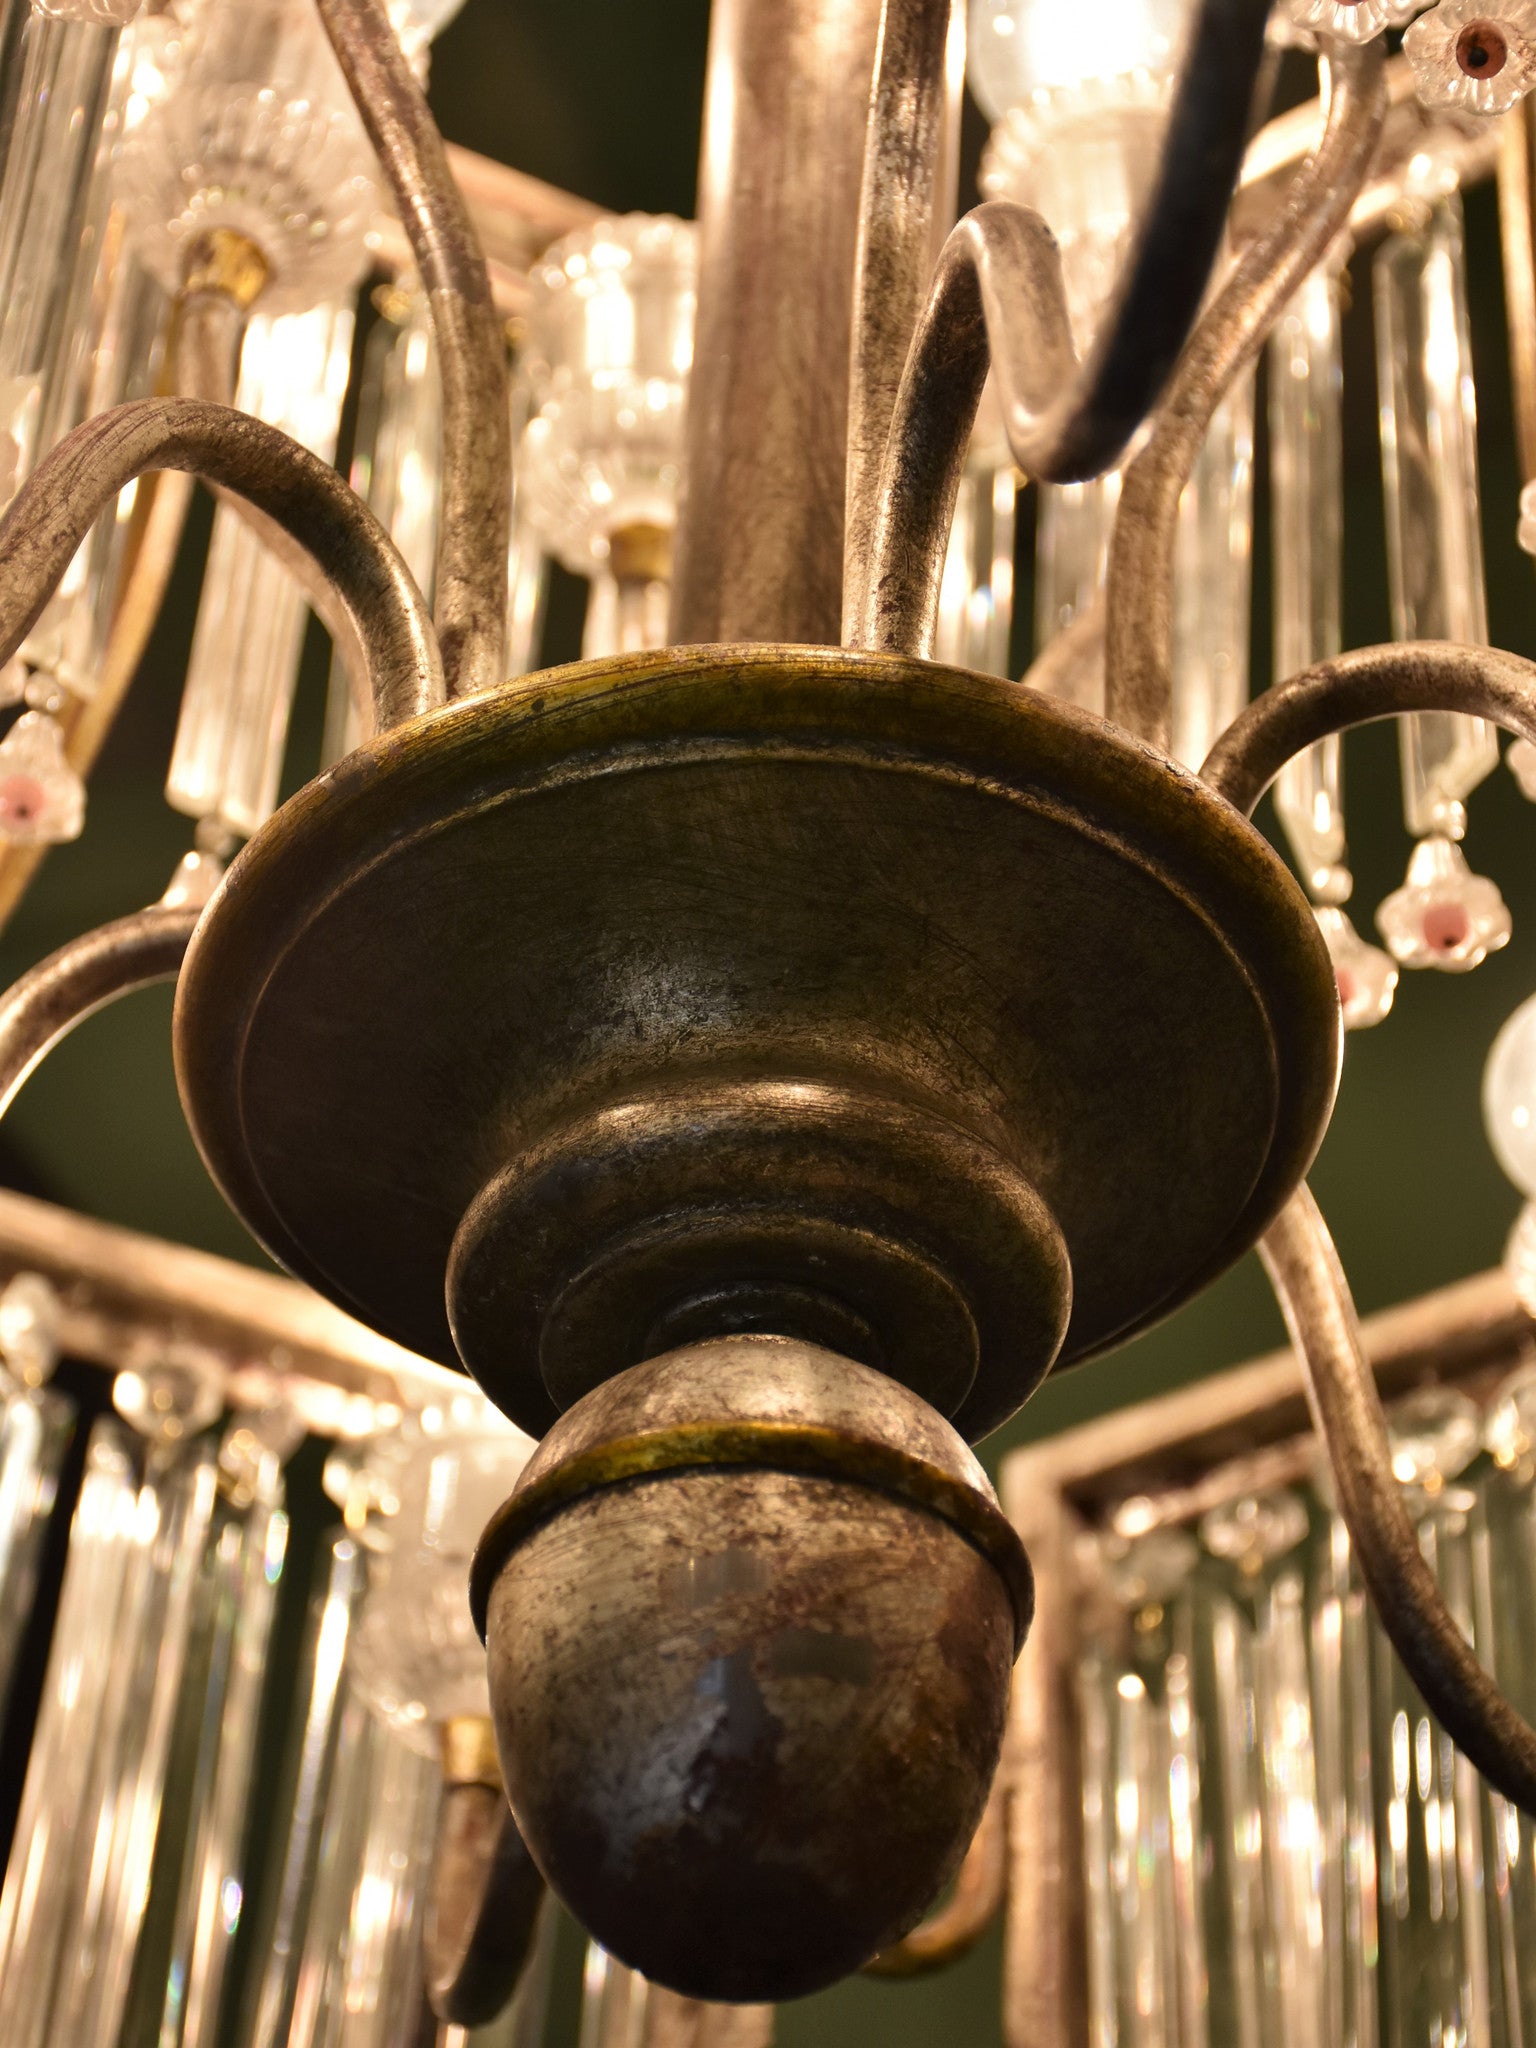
(760, 1059)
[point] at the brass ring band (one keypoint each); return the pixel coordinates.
(800, 1448)
(224, 261)
(467, 1751)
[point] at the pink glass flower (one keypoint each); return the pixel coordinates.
(1367, 977)
(1478, 57)
(42, 799)
(1443, 916)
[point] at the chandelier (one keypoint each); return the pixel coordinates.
(759, 1054)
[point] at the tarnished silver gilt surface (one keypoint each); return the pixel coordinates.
(732, 864)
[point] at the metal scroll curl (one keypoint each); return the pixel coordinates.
(82, 977)
(376, 601)
(997, 300)
(476, 511)
(1138, 645)
(384, 612)
(484, 1891)
(1298, 1253)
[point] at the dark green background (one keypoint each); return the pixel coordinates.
(604, 98)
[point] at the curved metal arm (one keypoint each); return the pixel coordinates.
(483, 1891)
(1138, 641)
(1352, 689)
(154, 539)
(1298, 1253)
(998, 297)
(954, 1930)
(901, 148)
(1314, 1297)
(50, 999)
(82, 474)
(475, 513)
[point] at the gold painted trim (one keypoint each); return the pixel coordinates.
(229, 263)
(804, 1449)
(468, 1752)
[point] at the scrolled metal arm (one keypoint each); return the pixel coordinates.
(82, 474)
(998, 299)
(1138, 644)
(50, 999)
(475, 513)
(1298, 1253)
(484, 1893)
(1314, 1297)
(902, 144)
(1353, 689)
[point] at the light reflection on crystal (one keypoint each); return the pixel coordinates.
(416, 1657)
(610, 347)
(255, 133)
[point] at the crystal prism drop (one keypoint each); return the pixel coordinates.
(53, 196)
(75, 1891)
(1340, 1628)
(106, 13)
(1073, 524)
(1366, 976)
(976, 591)
(1429, 468)
(1213, 582)
(228, 756)
(396, 463)
(35, 1428)
(1437, 1973)
(285, 1991)
(69, 643)
(1251, 1687)
(197, 1889)
(30, 1318)
(1306, 484)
